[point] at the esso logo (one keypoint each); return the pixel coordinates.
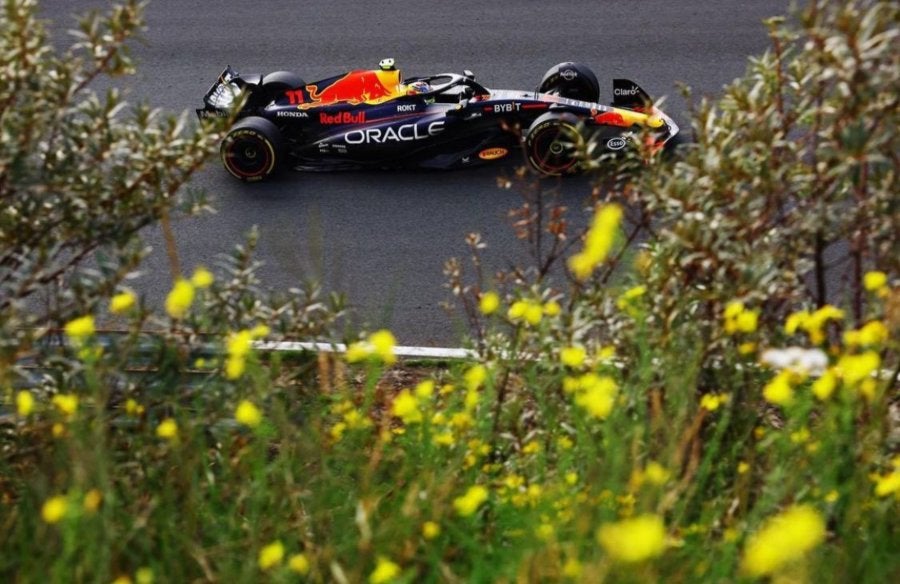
(616, 143)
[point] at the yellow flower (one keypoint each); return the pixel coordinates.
(80, 329)
(143, 576)
(552, 308)
(167, 429)
(475, 376)
(573, 356)
(743, 467)
(598, 397)
(299, 563)
(872, 333)
(656, 474)
(123, 579)
(875, 281)
(235, 367)
(248, 414)
(712, 401)
(740, 320)
(633, 540)
(796, 321)
(887, 484)
(260, 331)
(271, 555)
(202, 278)
(238, 344)
(470, 502)
(24, 403)
(430, 530)
(54, 509)
(782, 539)
(532, 447)
(825, 385)
(92, 500)
(572, 568)
(122, 302)
(380, 344)
(357, 352)
(406, 407)
(779, 391)
(385, 571)
(855, 368)
(66, 403)
(180, 298)
(626, 301)
(533, 313)
(383, 343)
(425, 389)
(489, 303)
(598, 242)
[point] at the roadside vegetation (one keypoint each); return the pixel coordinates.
(674, 395)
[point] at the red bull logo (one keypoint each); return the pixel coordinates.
(356, 87)
(342, 118)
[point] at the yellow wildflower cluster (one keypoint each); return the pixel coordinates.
(783, 539)
(180, 298)
(122, 302)
(469, 503)
(248, 414)
(813, 323)
(888, 484)
(628, 302)
(595, 393)
(633, 540)
(532, 311)
(379, 345)
(80, 330)
(712, 401)
(738, 319)
(24, 403)
(384, 572)
(237, 349)
(54, 509)
(270, 555)
(168, 430)
(489, 303)
(351, 419)
(877, 283)
(598, 242)
(66, 403)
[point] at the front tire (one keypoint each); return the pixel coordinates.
(554, 145)
(253, 149)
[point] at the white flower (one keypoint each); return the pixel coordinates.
(806, 361)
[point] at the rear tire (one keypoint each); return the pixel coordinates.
(571, 80)
(253, 149)
(553, 145)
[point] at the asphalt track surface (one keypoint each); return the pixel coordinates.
(382, 237)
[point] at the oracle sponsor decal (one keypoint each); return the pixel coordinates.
(404, 133)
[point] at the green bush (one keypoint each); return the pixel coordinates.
(661, 398)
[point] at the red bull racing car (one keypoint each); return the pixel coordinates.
(377, 119)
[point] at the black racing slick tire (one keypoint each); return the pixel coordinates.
(253, 149)
(554, 144)
(571, 80)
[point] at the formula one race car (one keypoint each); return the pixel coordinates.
(376, 119)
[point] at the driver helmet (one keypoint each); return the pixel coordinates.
(417, 87)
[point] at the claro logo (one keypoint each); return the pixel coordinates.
(633, 91)
(404, 133)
